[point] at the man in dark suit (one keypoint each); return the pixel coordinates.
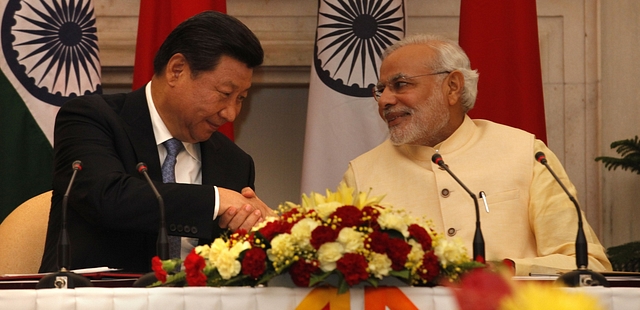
(202, 72)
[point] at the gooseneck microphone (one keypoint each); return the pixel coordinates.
(65, 278)
(478, 239)
(581, 276)
(162, 244)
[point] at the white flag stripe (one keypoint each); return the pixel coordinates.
(342, 116)
(50, 54)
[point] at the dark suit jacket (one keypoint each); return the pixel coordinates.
(112, 212)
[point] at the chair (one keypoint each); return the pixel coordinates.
(22, 236)
(625, 257)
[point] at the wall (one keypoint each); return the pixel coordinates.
(587, 56)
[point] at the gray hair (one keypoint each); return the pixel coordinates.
(449, 57)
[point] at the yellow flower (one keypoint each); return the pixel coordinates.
(327, 208)
(415, 256)
(328, 254)
(282, 249)
(535, 296)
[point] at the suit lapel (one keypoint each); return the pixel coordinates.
(135, 113)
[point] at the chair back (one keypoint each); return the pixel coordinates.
(22, 236)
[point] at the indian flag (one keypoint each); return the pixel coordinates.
(342, 116)
(49, 55)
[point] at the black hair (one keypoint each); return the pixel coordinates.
(206, 37)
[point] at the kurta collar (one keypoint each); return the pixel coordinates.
(456, 141)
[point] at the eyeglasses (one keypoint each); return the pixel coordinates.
(399, 84)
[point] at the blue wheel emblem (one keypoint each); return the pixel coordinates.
(351, 37)
(52, 48)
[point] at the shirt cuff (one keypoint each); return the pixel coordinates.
(216, 205)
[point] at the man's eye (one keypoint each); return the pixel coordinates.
(399, 84)
(226, 95)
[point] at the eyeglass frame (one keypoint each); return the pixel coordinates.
(378, 93)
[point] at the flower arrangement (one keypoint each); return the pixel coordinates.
(350, 236)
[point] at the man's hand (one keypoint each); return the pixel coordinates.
(248, 193)
(238, 211)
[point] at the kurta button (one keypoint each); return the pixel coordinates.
(179, 228)
(451, 232)
(194, 230)
(445, 193)
(187, 229)
(172, 227)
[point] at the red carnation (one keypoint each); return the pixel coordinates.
(156, 265)
(270, 230)
(273, 229)
(254, 263)
(397, 251)
(321, 235)
(353, 267)
(421, 235)
(301, 272)
(193, 265)
(377, 242)
(430, 267)
(349, 216)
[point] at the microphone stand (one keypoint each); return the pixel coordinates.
(64, 278)
(162, 244)
(478, 239)
(582, 276)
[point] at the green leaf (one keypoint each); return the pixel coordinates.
(402, 274)
(343, 287)
(317, 278)
(629, 150)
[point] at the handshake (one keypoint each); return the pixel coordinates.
(241, 210)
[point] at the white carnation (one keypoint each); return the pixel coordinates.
(351, 239)
(328, 254)
(379, 265)
(301, 233)
(451, 251)
(390, 220)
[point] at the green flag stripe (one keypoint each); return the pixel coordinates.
(26, 156)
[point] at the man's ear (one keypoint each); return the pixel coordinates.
(454, 85)
(176, 66)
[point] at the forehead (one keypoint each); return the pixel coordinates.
(229, 71)
(408, 60)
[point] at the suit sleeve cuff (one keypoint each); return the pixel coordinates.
(216, 205)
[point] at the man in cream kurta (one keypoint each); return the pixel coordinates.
(531, 220)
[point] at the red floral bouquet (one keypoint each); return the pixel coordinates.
(352, 237)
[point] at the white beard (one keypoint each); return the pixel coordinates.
(425, 124)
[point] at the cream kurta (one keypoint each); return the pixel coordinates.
(531, 219)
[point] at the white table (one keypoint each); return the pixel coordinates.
(198, 298)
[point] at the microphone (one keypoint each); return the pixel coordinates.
(478, 239)
(162, 244)
(582, 276)
(65, 278)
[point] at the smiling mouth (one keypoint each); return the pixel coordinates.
(394, 118)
